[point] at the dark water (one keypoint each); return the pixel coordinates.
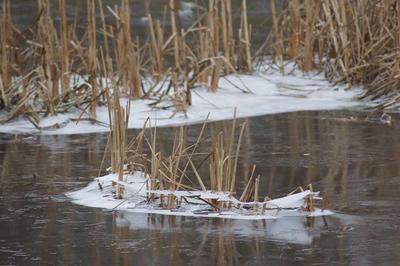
(354, 163)
(259, 16)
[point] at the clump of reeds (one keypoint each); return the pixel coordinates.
(224, 159)
(356, 42)
(168, 171)
(48, 69)
(118, 121)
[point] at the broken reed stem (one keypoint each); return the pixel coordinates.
(246, 194)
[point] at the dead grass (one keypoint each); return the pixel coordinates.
(48, 70)
(356, 42)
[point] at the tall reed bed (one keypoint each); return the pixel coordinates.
(48, 68)
(356, 42)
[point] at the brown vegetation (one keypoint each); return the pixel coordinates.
(356, 42)
(48, 69)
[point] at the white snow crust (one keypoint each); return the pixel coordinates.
(265, 92)
(135, 200)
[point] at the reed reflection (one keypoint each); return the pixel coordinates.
(353, 162)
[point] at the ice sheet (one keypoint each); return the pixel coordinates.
(271, 93)
(135, 201)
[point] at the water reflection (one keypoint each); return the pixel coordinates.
(294, 230)
(354, 163)
(25, 13)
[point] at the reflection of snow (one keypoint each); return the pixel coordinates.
(293, 230)
(144, 19)
(186, 10)
(187, 203)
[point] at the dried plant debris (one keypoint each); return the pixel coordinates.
(197, 203)
(170, 183)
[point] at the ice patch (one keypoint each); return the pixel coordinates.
(101, 194)
(271, 93)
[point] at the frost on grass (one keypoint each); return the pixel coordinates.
(137, 198)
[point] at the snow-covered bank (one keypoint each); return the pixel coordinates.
(101, 194)
(271, 93)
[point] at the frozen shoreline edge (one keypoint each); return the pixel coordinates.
(273, 93)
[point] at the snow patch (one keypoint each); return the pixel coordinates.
(101, 194)
(271, 93)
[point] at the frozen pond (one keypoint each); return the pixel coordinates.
(353, 162)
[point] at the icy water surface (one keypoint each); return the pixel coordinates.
(354, 163)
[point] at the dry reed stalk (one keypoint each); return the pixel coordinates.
(104, 28)
(118, 127)
(213, 25)
(92, 55)
(227, 30)
(223, 161)
(215, 76)
(64, 49)
(246, 194)
(278, 51)
(126, 52)
(47, 38)
(245, 39)
(234, 167)
(175, 34)
(307, 63)
(157, 43)
(133, 58)
(343, 29)
(256, 188)
(5, 60)
(203, 44)
(224, 28)
(295, 26)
